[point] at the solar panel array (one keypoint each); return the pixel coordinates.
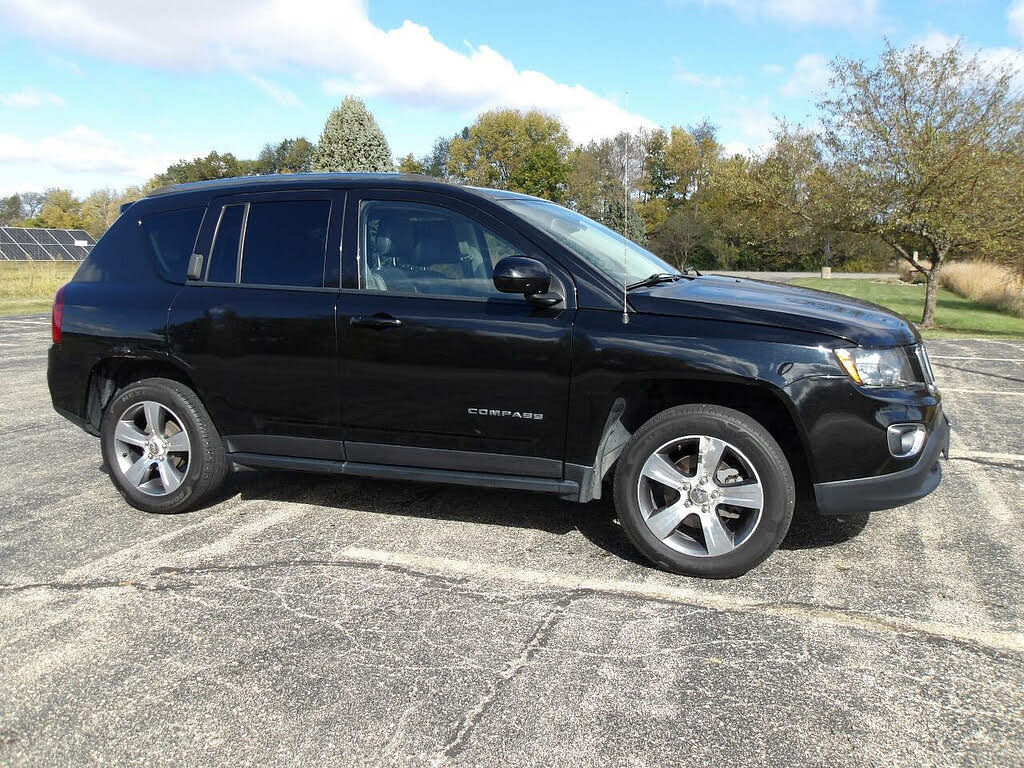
(37, 244)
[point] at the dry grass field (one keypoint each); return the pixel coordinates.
(28, 286)
(985, 283)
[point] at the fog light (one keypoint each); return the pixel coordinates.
(906, 439)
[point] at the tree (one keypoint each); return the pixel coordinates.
(352, 141)
(10, 210)
(60, 210)
(287, 156)
(409, 164)
(212, 166)
(32, 203)
(927, 153)
(509, 149)
(101, 209)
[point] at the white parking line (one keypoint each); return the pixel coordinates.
(980, 391)
(985, 456)
(992, 359)
(713, 600)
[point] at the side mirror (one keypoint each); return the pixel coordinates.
(518, 274)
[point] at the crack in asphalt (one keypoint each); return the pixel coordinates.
(462, 733)
(453, 572)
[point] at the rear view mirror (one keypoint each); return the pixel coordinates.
(519, 274)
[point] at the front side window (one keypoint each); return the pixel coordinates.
(427, 249)
(605, 250)
(285, 243)
(171, 237)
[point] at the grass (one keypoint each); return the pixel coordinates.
(27, 287)
(989, 284)
(955, 316)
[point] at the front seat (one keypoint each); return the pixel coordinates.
(391, 245)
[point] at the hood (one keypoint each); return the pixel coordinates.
(740, 300)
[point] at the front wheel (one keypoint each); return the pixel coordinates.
(705, 491)
(160, 446)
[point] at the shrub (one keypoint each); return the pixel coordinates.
(986, 283)
(910, 275)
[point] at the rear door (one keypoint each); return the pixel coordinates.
(439, 369)
(257, 328)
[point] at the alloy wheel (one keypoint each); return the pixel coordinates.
(152, 447)
(700, 495)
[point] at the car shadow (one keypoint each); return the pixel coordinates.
(596, 521)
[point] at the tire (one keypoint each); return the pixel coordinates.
(749, 468)
(182, 467)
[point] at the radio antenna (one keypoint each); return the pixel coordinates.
(625, 213)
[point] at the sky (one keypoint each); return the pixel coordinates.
(105, 93)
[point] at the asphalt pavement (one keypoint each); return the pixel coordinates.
(305, 620)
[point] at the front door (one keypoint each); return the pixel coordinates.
(439, 369)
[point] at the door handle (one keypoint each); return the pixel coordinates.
(375, 321)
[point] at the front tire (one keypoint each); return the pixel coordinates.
(161, 447)
(704, 490)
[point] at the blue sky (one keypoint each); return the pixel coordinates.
(106, 92)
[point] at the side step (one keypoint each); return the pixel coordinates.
(567, 489)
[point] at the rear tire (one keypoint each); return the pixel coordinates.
(704, 490)
(161, 447)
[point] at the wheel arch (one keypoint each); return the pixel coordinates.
(112, 374)
(760, 400)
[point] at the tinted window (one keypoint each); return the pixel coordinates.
(417, 248)
(224, 254)
(285, 243)
(171, 236)
(117, 257)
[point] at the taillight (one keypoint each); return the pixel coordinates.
(57, 318)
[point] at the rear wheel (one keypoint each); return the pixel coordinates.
(160, 445)
(704, 490)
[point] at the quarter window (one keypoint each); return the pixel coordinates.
(171, 237)
(419, 248)
(285, 243)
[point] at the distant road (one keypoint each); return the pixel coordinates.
(785, 277)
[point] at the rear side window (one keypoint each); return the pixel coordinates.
(171, 237)
(224, 254)
(285, 243)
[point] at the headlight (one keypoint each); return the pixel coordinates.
(876, 367)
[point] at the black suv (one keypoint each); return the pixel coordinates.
(399, 327)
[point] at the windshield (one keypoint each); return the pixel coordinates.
(599, 246)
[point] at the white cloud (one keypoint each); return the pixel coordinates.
(700, 80)
(30, 98)
(773, 69)
(406, 64)
(753, 125)
(82, 150)
(1015, 16)
(824, 12)
(990, 58)
(810, 77)
(278, 93)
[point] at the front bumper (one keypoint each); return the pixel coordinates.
(869, 494)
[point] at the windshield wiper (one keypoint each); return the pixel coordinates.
(657, 277)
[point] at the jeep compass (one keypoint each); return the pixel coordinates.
(395, 326)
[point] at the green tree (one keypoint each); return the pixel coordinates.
(926, 153)
(409, 164)
(510, 149)
(10, 210)
(287, 156)
(60, 210)
(212, 166)
(352, 141)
